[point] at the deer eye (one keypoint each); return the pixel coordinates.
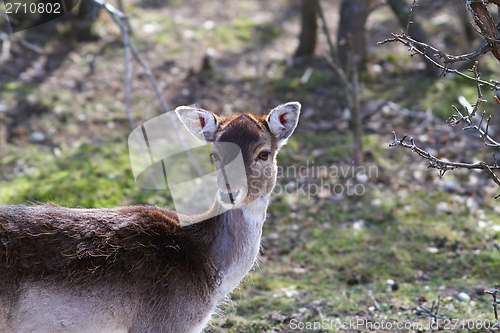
(264, 155)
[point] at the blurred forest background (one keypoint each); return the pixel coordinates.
(387, 251)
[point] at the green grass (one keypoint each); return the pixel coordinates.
(92, 175)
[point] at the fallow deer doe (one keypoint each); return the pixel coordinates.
(137, 268)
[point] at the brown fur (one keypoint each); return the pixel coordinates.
(88, 245)
(141, 250)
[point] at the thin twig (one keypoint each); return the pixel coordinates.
(350, 84)
(414, 5)
(433, 312)
(376, 303)
(174, 123)
(442, 165)
(494, 294)
(31, 46)
(469, 117)
(420, 48)
(333, 52)
(121, 20)
(151, 78)
(332, 58)
(343, 77)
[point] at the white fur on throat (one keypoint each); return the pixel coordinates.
(254, 215)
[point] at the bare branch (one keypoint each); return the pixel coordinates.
(333, 51)
(432, 313)
(471, 110)
(485, 24)
(31, 46)
(340, 72)
(420, 48)
(437, 163)
(441, 165)
(448, 58)
(494, 294)
(469, 118)
(413, 6)
(121, 20)
(350, 84)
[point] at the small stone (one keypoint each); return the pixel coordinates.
(450, 186)
(361, 177)
(471, 203)
(463, 297)
(209, 25)
(175, 71)
(188, 34)
(443, 207)
(483, 224)
(291, 294)
(151, 27)
(37, 137)
(360, 224)
(376, 68)
(272, 237)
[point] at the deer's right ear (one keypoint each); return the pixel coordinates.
(200, 123)
(282, 121)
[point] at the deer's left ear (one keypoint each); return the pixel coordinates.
(283, 119)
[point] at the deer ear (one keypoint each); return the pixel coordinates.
(200, 123)
(283, 119)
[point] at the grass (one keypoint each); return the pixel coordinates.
(92, 175)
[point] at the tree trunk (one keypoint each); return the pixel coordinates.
(308, 33)
(351, 41)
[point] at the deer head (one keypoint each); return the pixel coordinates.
(256, 138)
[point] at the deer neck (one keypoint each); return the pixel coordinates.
(236, 243)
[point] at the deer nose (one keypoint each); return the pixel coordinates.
(229, 197)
